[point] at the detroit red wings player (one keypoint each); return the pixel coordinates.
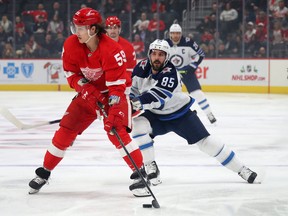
(95, 66)
(113, 28)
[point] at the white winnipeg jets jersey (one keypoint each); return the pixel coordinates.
(186, 52)
(160, 93)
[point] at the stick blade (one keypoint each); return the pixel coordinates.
(155, 204)
(11, 118)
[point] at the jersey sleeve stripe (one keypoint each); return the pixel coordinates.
(117, 82)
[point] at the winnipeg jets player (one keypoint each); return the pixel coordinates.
(156, 90)
(186, 55)
(95, 67)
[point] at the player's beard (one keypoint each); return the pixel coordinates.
(157, 66)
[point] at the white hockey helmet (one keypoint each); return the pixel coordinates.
(175, 28)
(160, 45)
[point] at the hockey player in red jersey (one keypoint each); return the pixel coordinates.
(113, 28)
(95, 67)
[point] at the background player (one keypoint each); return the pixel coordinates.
(95, 66)
(156, 89)
(186, 55)
(113, 28)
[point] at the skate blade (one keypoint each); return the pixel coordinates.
(155, 181)
(141, 192)
(33, 191)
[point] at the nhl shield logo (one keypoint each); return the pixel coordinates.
(27, 69)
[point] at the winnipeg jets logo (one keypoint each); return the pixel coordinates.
(143, 64)
(177, 60)
(166, 70)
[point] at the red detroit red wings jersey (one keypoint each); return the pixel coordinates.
(130, 53)
(130, 56)
(105, 67)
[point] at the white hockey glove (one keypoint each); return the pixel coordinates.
(136, 104)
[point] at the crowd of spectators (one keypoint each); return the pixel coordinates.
(258, 31)
(40, 27)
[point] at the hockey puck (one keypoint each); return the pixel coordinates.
(147, 205)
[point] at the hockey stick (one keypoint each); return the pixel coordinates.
(155, 203)
(11, 118)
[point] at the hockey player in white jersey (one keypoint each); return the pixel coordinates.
(157, 92)
(186, 55)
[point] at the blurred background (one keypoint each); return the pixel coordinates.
(223, 28)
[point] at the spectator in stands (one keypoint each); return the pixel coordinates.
(126, 7)
(154, 25)
(19, 23)
(41, 25)
(7, 25)
(3, 39)
(161, 7)
(49, 45)
(262, 18)
(216, 40)
(228, 20)
(206, 37)
(261, 53)
(20, 38)
(222, 52)
(56, 10)
(55, 25)
(214, 9)
(249, 38)
(280, 11)
(212, 51)
(139, 46)
(213, 23)
(41, 52)
(29, 47)
(36, 13)
(278, 47)
(141, 26)
(232, 46)
(8, 52)
(204, 25)
(111, 7)
(59, 41)
(260, 36)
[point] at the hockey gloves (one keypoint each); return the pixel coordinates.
(136, 104)
(92, 95)
(115, 115)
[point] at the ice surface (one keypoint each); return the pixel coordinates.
(92, 179)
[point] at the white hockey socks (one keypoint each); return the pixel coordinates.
(215, 148)
(201, 100)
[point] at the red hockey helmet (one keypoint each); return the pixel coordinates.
(87, 16)
(113, 20)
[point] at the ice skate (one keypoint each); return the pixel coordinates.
(248, 175)
(39, 181)
(138, 187)
(211, 118)
(153, 173)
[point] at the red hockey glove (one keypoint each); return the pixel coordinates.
(115, 114)
(91, 94)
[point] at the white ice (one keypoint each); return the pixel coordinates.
(92, 179)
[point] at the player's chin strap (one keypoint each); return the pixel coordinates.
(90, 36)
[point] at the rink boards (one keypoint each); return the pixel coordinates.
(215, 75)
